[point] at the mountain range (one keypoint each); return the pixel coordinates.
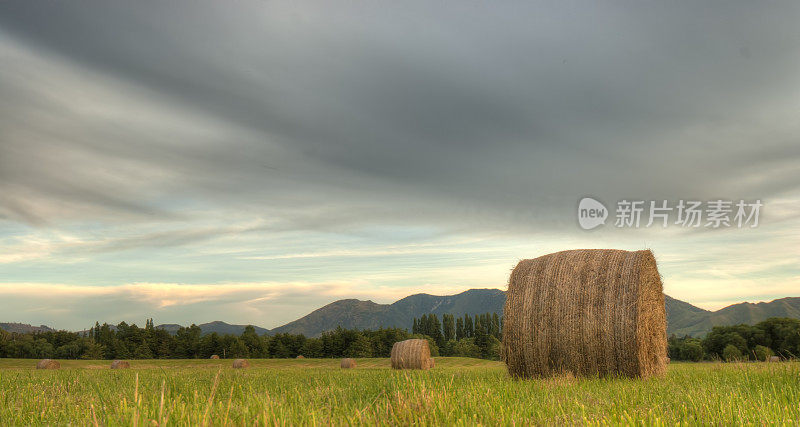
(682, 317)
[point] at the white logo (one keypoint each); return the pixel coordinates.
(591, 213)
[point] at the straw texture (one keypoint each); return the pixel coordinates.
(241, 364)
(48, 364)
(586, 312)
(348, 363)
(120, 364)
(411, 354)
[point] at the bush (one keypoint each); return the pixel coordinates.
(762, 353)
(466, 348)
(731, 353)
(692, 351)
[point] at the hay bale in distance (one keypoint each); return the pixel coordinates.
(347, 363)
(214, 356)
(411, 354)
(587, 312)
(120, 364)
(241, 364)
(300, 356)
(774, 359)
(48, 364)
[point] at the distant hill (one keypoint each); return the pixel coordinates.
(355, 314)
(698, 324)
(682, 317)
(23, 328)
(215, 326)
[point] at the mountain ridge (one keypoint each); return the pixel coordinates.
(682, 318)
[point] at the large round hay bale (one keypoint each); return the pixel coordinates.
(241, 364)
(347, 363)
(774, 359)
(586, 312)
(120, 364)
(214, 356)
(48, 364)
(411, 354)
(301, 356)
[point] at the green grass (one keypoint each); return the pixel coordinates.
(458, 391)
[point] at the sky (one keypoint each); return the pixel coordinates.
(252, 161)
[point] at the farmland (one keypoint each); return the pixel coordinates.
(316, 391)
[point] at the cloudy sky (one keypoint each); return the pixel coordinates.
(252, 161)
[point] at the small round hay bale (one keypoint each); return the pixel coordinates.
(48, 364)
(301, 356)
(587, 312)
(120, 364)
(241, 364)
(214, 356)
(347, 363)
(774, 359)
(411, 354)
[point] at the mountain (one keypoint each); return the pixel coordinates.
(733, 315)
(23, 328)
(682, 317)
(355, 314)
(215, 326)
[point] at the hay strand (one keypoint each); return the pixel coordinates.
(411, 354)
(241, 364)
(48, 364)
(347, 363)
(120, 364)
(588, 312)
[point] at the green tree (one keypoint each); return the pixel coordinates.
(466, 348)
(254, 343)
(468, 326)
(692, 351)
(460, 329)
(762, 353)
(448, 324)
(143, 351)
(360, 347)
(238, 348)
(731, 353)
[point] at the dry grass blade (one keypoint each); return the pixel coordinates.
(94, 416)
(211, 398)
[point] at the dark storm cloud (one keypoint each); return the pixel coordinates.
(443, 112)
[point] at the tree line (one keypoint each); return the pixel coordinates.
(464, 336)
(478, 338)
(772, 337)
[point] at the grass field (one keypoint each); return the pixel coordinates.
(457, 391)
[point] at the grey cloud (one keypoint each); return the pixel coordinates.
(458, 114)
